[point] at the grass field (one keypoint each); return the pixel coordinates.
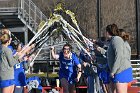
(50, 75)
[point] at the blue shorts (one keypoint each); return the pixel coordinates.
(125, 76)
(104, 76)
(6, 83)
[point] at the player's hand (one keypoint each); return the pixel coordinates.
(77, 79)
(52, 48)
(112, 75)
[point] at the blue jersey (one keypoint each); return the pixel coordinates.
(10, 47)
(85, 57)
(68, 67)
(19, 74)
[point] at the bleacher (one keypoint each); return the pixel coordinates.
(24, 14)
(27, 15)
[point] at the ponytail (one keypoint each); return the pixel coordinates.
(125, 36)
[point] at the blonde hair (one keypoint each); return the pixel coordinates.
(5, 31)
(5, 38)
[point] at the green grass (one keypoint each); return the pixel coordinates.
(50, 75)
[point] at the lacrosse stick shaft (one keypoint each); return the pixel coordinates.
(36, 36)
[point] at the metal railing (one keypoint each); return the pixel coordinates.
(26, 10)
(58, 44)
(136, 71)
(7, 9)
(31, 14)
